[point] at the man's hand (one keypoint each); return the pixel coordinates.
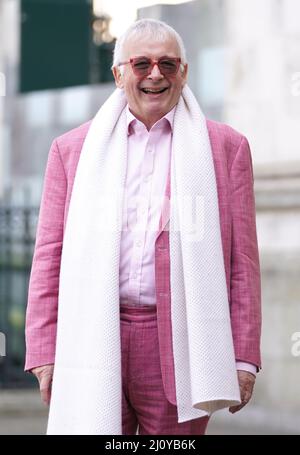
(44, 375)
(246, 383)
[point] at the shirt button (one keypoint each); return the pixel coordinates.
(150, 150)
(138, 243)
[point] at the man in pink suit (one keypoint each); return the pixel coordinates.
(148, 381)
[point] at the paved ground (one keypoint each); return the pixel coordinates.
(23, 413)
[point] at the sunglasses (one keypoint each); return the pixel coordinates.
(142, 66)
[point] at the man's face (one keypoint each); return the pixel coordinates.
(149, 107)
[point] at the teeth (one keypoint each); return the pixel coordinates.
(153, 91)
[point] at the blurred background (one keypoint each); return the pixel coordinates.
(244, 68)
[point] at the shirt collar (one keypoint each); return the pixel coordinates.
(135, 125)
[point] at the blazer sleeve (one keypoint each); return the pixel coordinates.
(245, 281)
(42, 305)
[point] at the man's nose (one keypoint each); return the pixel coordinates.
(155, 73)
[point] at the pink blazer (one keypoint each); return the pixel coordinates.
(234, 175)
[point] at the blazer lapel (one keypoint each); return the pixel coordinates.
(164, 221)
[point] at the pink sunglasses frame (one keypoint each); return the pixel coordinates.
(152, 63)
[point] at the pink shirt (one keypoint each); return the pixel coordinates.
(147, 169)
(149, 154)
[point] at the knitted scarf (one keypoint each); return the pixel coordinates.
(87, 388)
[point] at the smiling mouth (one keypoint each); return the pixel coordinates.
(150, 91)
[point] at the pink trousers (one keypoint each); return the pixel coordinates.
(144, 405)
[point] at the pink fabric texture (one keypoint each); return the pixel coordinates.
(234, 174)
(143, 399)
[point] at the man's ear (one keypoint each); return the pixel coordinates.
(118, 77)
(184, 74)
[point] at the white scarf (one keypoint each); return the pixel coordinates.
(86, 389)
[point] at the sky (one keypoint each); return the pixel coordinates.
(124, 13)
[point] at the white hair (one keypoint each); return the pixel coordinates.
(158, 30)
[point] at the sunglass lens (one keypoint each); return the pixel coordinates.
(141, 65)
(168, 66)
